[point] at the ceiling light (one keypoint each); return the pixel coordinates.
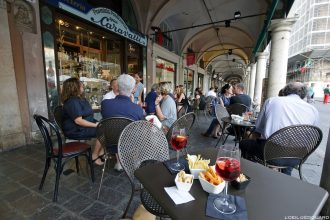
(227, 23)
(237, 14)
(234, 60)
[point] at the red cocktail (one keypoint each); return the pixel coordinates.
(228, 168)
(178, 142)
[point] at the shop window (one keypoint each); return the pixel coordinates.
(165, 71)
(188, 81)
(90, 54)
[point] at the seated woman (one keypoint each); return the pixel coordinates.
(78, 115)
(167, 111)
(181, 98)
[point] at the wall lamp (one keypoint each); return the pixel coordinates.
(237, 14)
(230, 51)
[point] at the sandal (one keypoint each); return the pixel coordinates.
(95, 161)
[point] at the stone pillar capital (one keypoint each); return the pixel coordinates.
(279, 25)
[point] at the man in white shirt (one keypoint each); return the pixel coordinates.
(114, 90)
(277, 113)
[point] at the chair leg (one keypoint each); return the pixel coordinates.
(77, 164)
(90, 162)
(105, 163)
(129, 202)
(225, 139)
(47, 165)
(300, 173)
(58, 174)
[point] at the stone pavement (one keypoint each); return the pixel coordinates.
(21, 171)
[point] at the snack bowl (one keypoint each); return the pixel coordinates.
(210, 188)
(182, 185)
(195, 172)
(240, 184)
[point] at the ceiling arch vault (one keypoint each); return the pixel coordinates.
(211, 30)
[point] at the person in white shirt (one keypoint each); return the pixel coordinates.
(211, 92)
(277, 113)
(114, 90)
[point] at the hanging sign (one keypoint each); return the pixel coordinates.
(102, 17)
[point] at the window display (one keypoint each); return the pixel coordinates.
(165, 71)
(94, 57)
(189, 81)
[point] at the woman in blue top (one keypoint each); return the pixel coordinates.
(225, 94)
(78, 115)
(138, 89)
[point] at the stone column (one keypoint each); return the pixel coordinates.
(247, 80)
(280, 36)
(260, 75)
(252, 79)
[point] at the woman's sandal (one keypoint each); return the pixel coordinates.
(99, 158)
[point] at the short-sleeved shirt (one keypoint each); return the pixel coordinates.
(326, 91)
(109, 95)
(225, 100)
(280, 112)
(168, 108)
(138, 89)
(150, 102)
(241, 99)
(73, 108)
(121, 106)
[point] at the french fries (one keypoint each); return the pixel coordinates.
(211, 177)
(197, 162)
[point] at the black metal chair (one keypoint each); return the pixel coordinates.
(140, 142)
(183, 110)
(221, 112)
(108, 132)
(293, 142)
(186, 121)
(237, 109)
(62, 153)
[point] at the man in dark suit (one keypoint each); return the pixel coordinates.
(240, 97)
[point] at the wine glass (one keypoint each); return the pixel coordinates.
(178, 142)
(228, 168)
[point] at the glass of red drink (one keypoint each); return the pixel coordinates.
(178, 142)
(228, 168)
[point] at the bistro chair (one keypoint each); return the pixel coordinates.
(142, 142)
(292, 142)
(107, 132)
(237, 109)
(60, 152)
(186, 121)
(221, 112)
(183, 110)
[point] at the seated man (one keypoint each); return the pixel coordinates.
(240, 97)
(122, 105)
(277, 113)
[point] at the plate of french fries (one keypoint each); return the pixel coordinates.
(197, 164)
(210, 181)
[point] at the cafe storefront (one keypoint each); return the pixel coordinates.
(90, 42)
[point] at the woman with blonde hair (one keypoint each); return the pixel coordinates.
(78, 115)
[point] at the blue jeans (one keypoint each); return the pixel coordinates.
(213, 124)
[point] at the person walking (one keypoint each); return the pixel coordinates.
(326, 94)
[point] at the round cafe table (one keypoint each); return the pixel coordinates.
(239, 128)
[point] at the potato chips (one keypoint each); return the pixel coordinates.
(183, 178)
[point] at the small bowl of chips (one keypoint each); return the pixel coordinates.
(184, 181)
(240, 182)
(197, 164)
(211, 182)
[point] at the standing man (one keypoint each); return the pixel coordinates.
(151, 98)
(240, 97)
(326, 94)
(277, 113)
(114, 90)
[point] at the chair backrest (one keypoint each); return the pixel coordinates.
(141, 141)
(45, 127)
(186, 121)
(221, 112)
(108, 130)
(237, 109)
(183, 110)
(292, 142)
(58, 116)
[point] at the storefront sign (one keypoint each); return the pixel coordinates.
(102, 17)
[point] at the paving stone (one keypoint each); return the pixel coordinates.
(7, 187)
(89, 190)
(50, 212)
(110, 196)
(8, 212)
(31, 181)
(78, 203)
(30, 204)
(64, 194)
(69, 216)
(74, 181)
(15, 195)
(97, 211)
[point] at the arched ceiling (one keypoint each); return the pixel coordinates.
(212, 42)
